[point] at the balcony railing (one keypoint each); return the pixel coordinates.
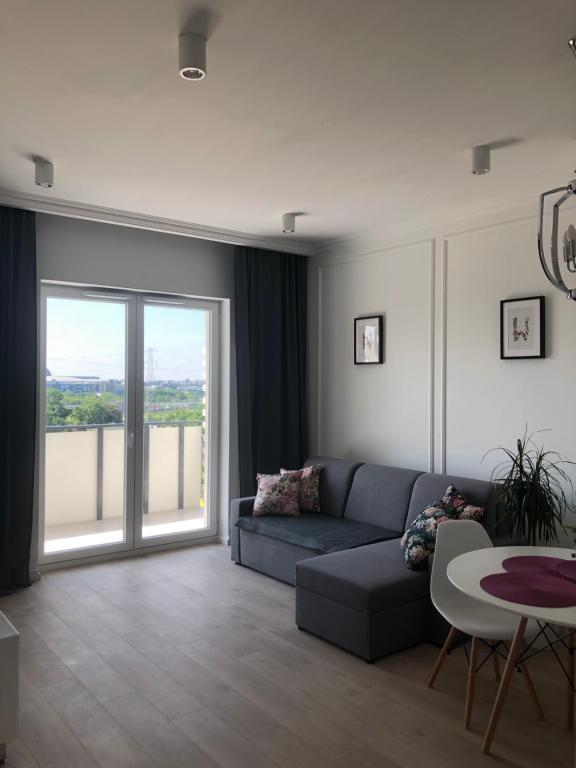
(85, 470)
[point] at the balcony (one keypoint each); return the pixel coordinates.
(85, 483)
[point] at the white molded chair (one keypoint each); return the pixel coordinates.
(484, 623)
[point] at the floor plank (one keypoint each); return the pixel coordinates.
(155, 733)
(101, 735)
(224, 745)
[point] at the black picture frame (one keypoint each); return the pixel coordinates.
(374, 320)
(539, 305)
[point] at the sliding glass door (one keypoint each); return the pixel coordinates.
(129, 421)
(87, 415)
(176, 416)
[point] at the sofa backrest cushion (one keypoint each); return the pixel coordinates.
(430, 487)
(335, 482)
(381, 496)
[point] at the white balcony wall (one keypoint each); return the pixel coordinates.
(163, 469)
(71, 473)
(70, 491)
(113, 473)
(192, 467)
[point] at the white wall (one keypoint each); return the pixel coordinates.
(378, 413)
(443, 397)
(92, 253)
(489, 401)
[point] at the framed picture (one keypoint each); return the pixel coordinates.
(522, 328)
(369, 340)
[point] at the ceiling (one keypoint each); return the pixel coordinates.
(357, 114)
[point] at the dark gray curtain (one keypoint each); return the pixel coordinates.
(270, 315)
(18, 339)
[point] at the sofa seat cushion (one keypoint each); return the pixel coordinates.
(322, 533)
(370, 579)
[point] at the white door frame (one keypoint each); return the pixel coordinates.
(134, 357)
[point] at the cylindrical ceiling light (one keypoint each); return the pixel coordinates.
(288, 223)
(192, 56)
(43, 173)
(481, 160)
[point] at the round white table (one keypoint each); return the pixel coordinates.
(466, 572)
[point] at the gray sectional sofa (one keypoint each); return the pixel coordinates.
(352, 585)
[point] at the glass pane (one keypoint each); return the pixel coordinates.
(85, 465)
(175, 418)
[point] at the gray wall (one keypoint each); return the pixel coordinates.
(78, 251)
(92, 253)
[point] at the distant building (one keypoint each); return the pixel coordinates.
(83, 384)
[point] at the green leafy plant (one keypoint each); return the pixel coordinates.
(572, 529)
(533, 490)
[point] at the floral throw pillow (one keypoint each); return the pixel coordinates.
(309, 486)
(277, 495)
(419, 541)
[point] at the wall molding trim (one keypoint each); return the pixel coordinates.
(326, 259)
(442, 243)
(432, 360)
(323, 265)
(375, 240)
(75, 210)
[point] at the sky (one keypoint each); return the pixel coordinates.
(87, 338)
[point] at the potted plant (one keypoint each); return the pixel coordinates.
(572, 529)
(533, 487)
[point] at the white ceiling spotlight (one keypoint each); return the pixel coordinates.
(43, 172)
(192, 56)
(572, 44)
(288, 223)
(481, 160)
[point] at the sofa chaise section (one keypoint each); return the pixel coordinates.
(366, 600)
(363, 600)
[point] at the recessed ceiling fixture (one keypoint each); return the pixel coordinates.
(572, 44)
(288, 223)
(192, 56)
(481, 160)
(43, 172)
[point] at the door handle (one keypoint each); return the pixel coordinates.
(130, 439)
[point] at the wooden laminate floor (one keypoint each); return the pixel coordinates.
(182, 659)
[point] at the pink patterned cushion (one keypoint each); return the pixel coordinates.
(309, 486)
(277, 495)
(419, 541)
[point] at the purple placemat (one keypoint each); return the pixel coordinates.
(567, 569)
(531, 564)
(538, 588)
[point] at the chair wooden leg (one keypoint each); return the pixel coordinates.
(571, 669)
(532, 692)
(442, 656)
(471, 682)
(496, 665)
(513, 654)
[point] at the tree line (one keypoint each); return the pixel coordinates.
(64, 409)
